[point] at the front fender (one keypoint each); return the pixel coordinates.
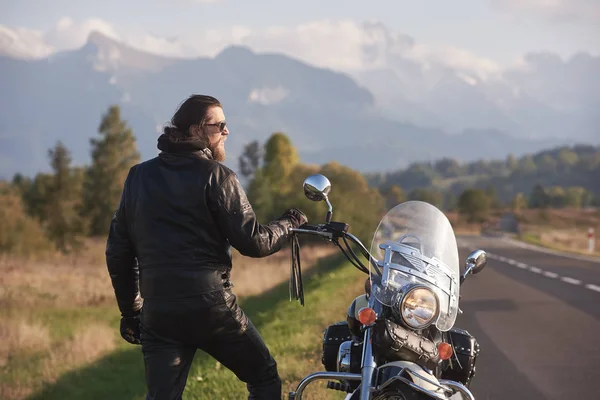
(415, 373)
(404, 374)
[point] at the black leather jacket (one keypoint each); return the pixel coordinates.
(170, 237)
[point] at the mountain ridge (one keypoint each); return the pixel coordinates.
(321, 109)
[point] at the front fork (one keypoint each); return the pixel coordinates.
(366, 377)
(368, 366)
(368, 360)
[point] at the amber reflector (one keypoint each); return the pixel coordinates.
(445, 350)
(366, 316)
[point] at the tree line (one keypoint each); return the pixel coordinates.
(568, 175)
(57, 210)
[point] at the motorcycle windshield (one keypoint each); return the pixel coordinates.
(415, 245)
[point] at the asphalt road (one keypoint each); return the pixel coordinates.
(536, 317)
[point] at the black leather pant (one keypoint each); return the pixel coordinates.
(173, 330)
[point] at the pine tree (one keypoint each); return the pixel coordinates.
(63, 223)
(35, 197)
(249, 160)
(112, 157)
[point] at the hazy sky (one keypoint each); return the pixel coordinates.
(501, 30)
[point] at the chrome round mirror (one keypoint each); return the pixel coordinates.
(478, 261)
(317, 187)
(475, 263)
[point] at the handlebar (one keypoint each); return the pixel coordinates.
(335, 230)
(319, 230)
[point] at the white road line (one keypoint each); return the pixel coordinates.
(593, 287)
(570, 280)
(548, 274)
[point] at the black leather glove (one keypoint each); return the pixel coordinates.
(130, 329)
(297, 217)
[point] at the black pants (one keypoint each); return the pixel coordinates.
(172, 331)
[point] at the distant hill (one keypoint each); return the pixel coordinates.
(565, 166)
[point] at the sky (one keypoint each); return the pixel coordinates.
(498, 30)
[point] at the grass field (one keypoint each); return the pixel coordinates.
(59, 327)
(560, 229)
(59, 321)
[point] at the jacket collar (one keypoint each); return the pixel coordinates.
(174, 144)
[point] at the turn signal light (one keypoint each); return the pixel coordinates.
(367, 316)
(445, 350)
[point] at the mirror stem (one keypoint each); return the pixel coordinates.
(329, 212)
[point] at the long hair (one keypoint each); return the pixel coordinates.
(191, 112)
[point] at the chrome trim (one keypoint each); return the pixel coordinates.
(410, 288)
(329, 209)
(413, 272)
(414, 386)
(387, 259)
(344, 356)
(402, 249)
(458, 387)
(368, 366)
(413, 372)
(475, 263)
(297, 395)
(447, 386)
(316, 187)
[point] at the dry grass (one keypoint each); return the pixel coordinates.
(20, 336)
(571, 240)
(560, 218)
(43, 333)
(253, 276)
(41, 283)
(14, 392)
(87, 344)
(560, 229)
(82, 280)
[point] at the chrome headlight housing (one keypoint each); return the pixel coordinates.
(419, 307)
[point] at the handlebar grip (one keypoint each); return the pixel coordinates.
(313, 230)
(309, 227)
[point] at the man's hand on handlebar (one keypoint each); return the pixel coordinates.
(297, 217)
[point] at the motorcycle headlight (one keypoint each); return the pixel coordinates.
(419, 307)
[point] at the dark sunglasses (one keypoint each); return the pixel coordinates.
(221, 125)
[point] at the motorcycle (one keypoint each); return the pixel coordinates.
(398, 341)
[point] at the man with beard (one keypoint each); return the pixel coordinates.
(169, 243)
